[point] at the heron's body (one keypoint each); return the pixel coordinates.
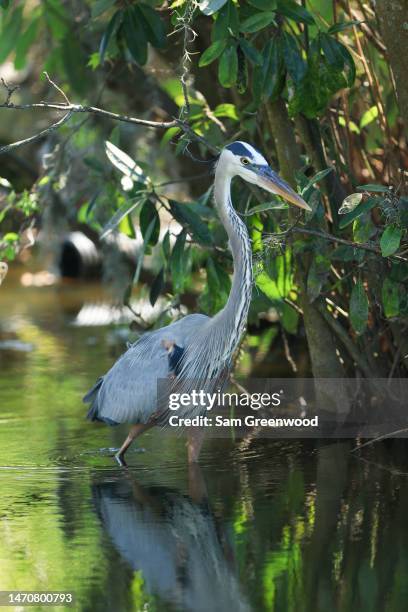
(128, 392)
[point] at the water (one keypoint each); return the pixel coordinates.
(261, 525)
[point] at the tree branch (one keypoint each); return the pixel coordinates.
(331, 238)
(79, 108)
(52, 128)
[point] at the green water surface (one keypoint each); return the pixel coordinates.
(261, 525)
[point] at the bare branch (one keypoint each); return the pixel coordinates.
(51, 82)
(10, 89)
(52, 128)
(79, 108)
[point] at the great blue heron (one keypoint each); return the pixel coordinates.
(203, 345)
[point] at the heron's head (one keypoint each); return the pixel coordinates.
(241, 159)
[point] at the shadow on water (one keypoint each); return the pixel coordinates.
(268, 525)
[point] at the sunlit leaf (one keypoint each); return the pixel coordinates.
(209, 7)
(350, 203)
(124, 163)
(212, 53)
(226, 110)
(257, 22)
(357, 211)
(369, 116)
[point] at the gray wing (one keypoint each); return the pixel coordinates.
(128, 392)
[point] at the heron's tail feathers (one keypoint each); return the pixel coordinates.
(92, 396)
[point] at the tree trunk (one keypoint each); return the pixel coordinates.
(393, 19)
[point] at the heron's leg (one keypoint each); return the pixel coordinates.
(195, 439)
(134, 432)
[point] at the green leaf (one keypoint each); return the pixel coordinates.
(289, 318)
(209, 7)
(342, 25)
(157, 287)
(390, 240)
(218, 286)
(112, 28)
(316, 178)
(369, 116)
(257, 22)
(140, 260)
(10, 237)
(290, 8)
(359, 210)
(271, 75)
(24, 42)
(10, 32)
(274, 205)
(123, 162)
(374, 188)
(250, 52)
(350, 203)
(153, 26)
(344, 253)
(5, 3)
(228, 67)
(268, 286)
(293, 59)
(168, 135)
(128, 207)
(227, 110)
(317, 275)
(177, 261)
(212, 52)
(147, 215)
(227, 22)
(358, 308)
(100, 6)
(135, 34)
(263, 5)
(390, 298)
(166, 247)
(338, 56)
(185, 215)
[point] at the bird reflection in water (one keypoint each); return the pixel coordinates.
(174, 540)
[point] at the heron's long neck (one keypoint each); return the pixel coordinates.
(234, 314)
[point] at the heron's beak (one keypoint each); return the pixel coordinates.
(269, 180)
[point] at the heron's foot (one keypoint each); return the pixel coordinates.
(120, 459)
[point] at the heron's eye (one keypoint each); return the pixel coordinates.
(245, 161)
